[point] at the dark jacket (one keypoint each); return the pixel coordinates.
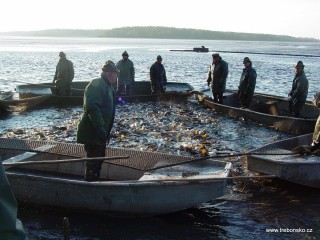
(300, 86)
(247, 85)
(99, 110)
(217, 76)
(64, 71)
(10, 227)
(299, 92)
(158, 74)
(126, 75)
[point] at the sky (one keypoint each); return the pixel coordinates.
(295, 18)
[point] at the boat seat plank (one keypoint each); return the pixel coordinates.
(273, 108)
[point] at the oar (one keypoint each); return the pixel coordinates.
(105, 159)
(221, 156)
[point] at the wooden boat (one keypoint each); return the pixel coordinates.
(271, 111)
(297, 168)
(143, 184)
(23, 104)
(141, 91)
(6, 95)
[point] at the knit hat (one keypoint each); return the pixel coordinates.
(299, 65)
(246, 59)
(125, 53)
(109, 66)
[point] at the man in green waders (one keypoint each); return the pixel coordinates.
(96, 123)
(10, 227)
(63, 76)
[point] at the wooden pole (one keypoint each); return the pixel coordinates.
(64, 161)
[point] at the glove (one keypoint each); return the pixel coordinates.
(102, 135)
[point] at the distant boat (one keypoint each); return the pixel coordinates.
(201, 49)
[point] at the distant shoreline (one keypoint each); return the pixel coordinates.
(158, 33)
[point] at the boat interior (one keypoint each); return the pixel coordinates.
(61, 160)
(268, 104)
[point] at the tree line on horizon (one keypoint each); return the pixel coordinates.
(159, 33)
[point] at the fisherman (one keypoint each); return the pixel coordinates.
(11, 227)
(217, 77)
(63, 76)
(299, 91)
(96, 123)
(158, 77)
(247, 83)
(126, 75)
(314, 147)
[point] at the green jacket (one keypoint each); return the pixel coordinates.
(64, 71)
(217, 76)
(99, 110)
(126, 74)
(300, 86)
(10, 227)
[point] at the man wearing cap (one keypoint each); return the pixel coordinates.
(126, 75)
(158, 77)
(63, 76)
(299, 91)
(217, 77)
(96, 123)
(247, 83)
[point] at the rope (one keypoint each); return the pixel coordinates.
(277, 54)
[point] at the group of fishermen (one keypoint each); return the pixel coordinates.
(217, 78)
(99, 111)
(64, 75)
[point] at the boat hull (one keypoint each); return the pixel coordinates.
(271, 111)
(115, 198)
(41, 95)
(145, 184)
(297, 168)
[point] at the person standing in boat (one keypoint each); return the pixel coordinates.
(314, 147)
(11, 227)
(217, 77)
(247, 83)
(63, 76)
(299, 91)
(94, 128)
(126, 75)
(158, 77)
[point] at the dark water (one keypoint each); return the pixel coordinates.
(245, 214)
(247, 211)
